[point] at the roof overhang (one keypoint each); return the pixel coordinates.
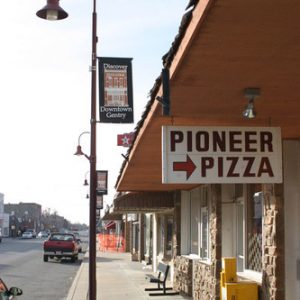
(144, 202)
(227, 46)
(110, 215)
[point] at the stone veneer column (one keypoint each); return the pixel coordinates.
(273, 243)
(216, 236)
(183, 275)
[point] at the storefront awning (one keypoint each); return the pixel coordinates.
(144, 202)
(110, 215)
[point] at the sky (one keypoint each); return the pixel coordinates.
(45, 93)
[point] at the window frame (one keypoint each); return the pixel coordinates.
(204, 210)
(203, 207)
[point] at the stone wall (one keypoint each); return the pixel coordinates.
(204, 282)
(183, 273)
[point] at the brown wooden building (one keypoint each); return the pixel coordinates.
(222, 48)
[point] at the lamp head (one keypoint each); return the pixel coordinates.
(85, 182)
(250, 94)
(79, 151)
(52, 11)
(250, 112)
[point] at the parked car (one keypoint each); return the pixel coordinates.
(8, 294)
(33, 232)
(43, 235)
(61, 245)
(27, 235)
(76, 234)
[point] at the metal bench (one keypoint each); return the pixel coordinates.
(160, 279)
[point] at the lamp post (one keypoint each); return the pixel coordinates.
(53, 9)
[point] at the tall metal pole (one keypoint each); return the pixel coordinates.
(93, 160)
(52, 11)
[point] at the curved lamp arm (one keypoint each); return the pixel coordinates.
(79, 151)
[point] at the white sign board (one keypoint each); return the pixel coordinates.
(221, 154)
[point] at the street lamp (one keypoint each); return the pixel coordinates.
(53, 8)
(86, 183)
(79, 151)
(52, 11)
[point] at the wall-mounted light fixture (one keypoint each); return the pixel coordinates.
(125, 156)
(250, 94)
(165, 99)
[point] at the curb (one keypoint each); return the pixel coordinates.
(79, 287)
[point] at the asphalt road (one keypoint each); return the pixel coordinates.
(22, 265)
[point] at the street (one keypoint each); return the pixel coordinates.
(21, 265)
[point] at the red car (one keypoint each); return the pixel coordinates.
(61, 245)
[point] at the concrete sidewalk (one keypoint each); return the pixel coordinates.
(117, 278)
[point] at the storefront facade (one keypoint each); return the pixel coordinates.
(224, 49)
(153, 228)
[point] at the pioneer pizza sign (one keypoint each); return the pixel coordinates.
(221, 154)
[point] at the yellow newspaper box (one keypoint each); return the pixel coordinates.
(231, 288)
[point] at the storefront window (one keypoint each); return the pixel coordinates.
(195, 224)
(199, 223)
(249, 220)
(169, 241)
(254, 232)
(240, 234)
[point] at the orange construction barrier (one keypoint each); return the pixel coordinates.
(111, 242)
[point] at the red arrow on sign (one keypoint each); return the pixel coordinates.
(187, 166)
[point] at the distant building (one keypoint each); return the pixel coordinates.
(23, 216)
(4, 218)
(54, 222)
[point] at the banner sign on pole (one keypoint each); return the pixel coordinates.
(102, 182)
(194, 154)
(115, 90)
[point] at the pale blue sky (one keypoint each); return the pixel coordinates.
(45, 93)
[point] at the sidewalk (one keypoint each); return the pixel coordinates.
(117, 278)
